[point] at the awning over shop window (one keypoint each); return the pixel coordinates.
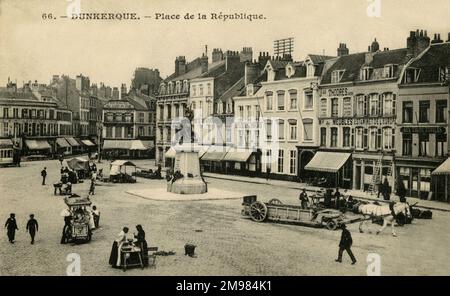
(117, 144)
(37, 144)
(170, 153)
(72, 142)
(443, 169)
(62, 143)
(329, 162)
(138, 145)
(239, 155)
(87, 143)
(6, 143)
(148, 144)
(215, 153)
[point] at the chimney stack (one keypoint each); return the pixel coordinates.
(437, 39)
(448, 38)
(217, 55)
(246, 54)
(342, 50)
(251, 72)
(417, 42)
(204, 63)
(375, 46)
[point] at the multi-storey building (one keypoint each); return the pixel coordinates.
(288, 106)
(33, 121)
(129, 126)
(422, 122)
(357, 113)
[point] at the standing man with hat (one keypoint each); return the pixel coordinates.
(32, 227)
(44, 175)
(345, 245)
(11, 225)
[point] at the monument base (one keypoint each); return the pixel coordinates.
(187, 186)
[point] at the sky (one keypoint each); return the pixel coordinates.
(33, 48)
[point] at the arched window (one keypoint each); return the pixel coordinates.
(269, 101)
(280, 129)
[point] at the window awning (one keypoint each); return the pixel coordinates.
(87, 142)
(443, 169)
(137, 145)
(6, 143)
(170, 153)
(72, 142)
(37, 144)
(215, 153)
(62, 143)
(329, 162)
(117, 144)
(148, 144)
(239, 155)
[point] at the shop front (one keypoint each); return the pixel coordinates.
(372, 169)
(441, 183)
(334, 168)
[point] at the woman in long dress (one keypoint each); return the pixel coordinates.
(114, 258)
(142, 243)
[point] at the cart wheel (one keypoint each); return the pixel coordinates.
(332, 225)
(258, 211)
(275, 201)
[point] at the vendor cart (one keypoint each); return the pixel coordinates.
(276, 211)
(79, 228)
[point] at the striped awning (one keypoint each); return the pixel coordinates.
(329, 162)
(87, 142)
(37, 144)
(117, 144)
(6, 143)
(443, 169)
(62, 143)
(72, 142)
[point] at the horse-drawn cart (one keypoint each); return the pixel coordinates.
(276, 211)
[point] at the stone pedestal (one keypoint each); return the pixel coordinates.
(188, 163)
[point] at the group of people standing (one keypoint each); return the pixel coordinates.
(123, 239)
(11, 225)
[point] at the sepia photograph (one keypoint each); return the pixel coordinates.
(224, 138)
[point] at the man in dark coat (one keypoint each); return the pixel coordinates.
(11, 225)
(44, 175)
(32, 227)
(345, 245)
(337, 197)
(304, 199)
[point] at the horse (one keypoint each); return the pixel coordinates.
(387, 212)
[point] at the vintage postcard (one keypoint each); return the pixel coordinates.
(224, 138)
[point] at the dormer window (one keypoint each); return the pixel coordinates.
(444, 74)
(270, 72)
(310, 70)
(366, 73)
(170, 88)
(412, 75)
(290, 71)
(162, 89)
(178, 87)
(250, 89)
(185, 86)
(389, 71)
(336, 76)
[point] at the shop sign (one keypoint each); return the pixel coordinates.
(423, 130)
(359, 121)
(339, 92)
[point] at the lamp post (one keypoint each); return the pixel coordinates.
(99, 142)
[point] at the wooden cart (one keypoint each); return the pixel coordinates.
(276, 211)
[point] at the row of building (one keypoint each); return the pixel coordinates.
(353, 119)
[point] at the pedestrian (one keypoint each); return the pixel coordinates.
(61, 159)
(345, 245)
(92, 187)
(386, 190)
(337, 196)
(401, 190)
(304, 199)
(96, 215)
(11, 225)
(32, 227)
(380, 187)
(44, 175)
(268, 174)
(142, 244)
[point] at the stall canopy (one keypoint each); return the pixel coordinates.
(148, 144)
(443, 169)
(78, 164)
(329, 162)
(215, 153)
(238, 155)
(62, 143)
(117, 165)
(37, 144)
(72, 142)
(6, 143)
(87, 142)
(170, 153)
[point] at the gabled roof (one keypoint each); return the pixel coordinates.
(435, 57)
(317, 59)
(235, 90)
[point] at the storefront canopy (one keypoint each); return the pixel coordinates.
(6, 143)
(62, 143)
(87, 143)
(170, 153)
(239, 155)
(215, 153)
(37, 144)
(116, 144)
(329, 162)
(443, 169)
(73, 142)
